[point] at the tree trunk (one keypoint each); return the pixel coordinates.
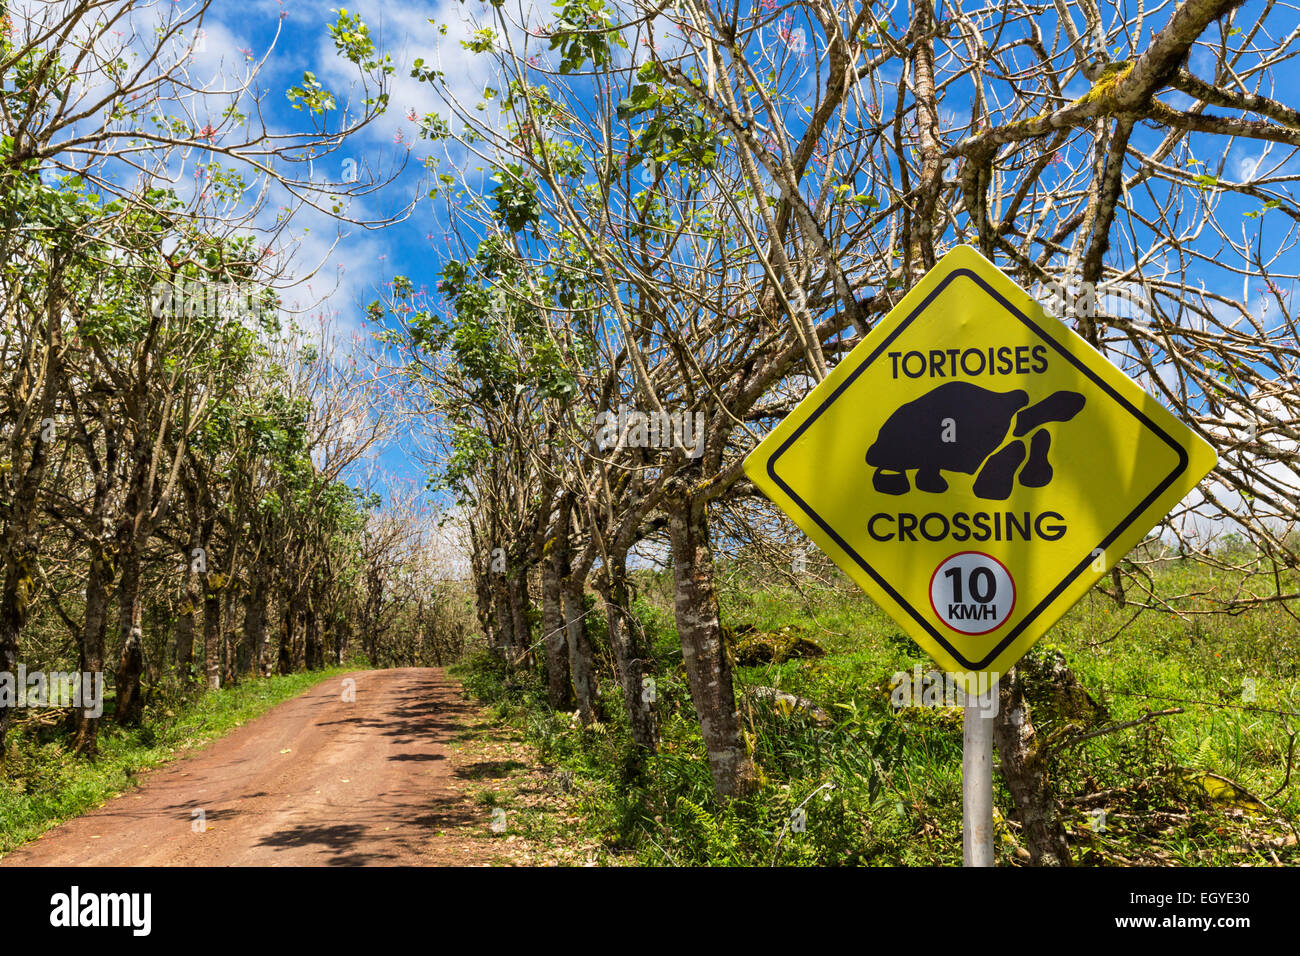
(1024, 768)
(22, 490)
(99, 575)
(631, 656)
(130, 697)
(99, 580)
(229, 636)
(557, 658)
(20, 556)
(520, 604)
(255, 622)
(580, 665)
(284, 662)
(345, 639)
(133, 532)
(505, 621)
(313, 655)
(707, 668)
(212, 633)
(299, 647)
(13, 614)
(483, 606)
(183, 641)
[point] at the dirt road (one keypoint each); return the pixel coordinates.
(314, 781)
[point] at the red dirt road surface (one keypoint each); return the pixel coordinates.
(315, 781)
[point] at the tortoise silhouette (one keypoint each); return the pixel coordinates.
(961, 427)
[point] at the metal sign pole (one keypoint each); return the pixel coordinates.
(977, 783)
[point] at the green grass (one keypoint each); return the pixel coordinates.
(45, 784)
(883, 787)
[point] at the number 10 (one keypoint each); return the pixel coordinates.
(981, 583)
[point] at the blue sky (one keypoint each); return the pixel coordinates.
(350, 264)
(355, 271)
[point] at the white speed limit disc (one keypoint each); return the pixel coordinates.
(972, 593)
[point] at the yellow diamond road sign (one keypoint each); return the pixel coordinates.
(975, 466)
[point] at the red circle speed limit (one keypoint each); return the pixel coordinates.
(972, 593)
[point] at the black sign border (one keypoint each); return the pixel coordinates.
(1183, 461)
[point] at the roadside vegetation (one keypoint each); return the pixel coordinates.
(1211, 785)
